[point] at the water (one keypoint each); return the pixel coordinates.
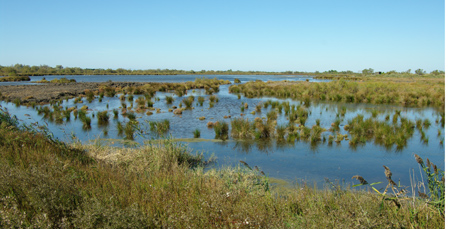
(300, 161)
(162, 78)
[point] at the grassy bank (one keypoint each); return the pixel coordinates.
(163, 184)
(413, 92)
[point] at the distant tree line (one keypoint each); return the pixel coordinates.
(27, 70)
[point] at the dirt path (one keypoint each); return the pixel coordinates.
(44, 93)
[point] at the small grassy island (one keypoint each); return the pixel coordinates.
(62, 80)
(14, 78)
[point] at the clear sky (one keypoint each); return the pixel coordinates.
(221, 35)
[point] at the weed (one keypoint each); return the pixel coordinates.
(102, 118)
(196, 133)
(221, 130)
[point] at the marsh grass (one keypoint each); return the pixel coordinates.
(116, 113)
(119, 128)
(221, 130)
(131, 116)
(17, 102)
(169, 99)
(188, 102)
(241, 128)
(201, 100)
(102, 118)
(159, 127)
(163, 184)
(422, 91)
(382, 132)
(196, 133)
(89, 95)
(130, 128)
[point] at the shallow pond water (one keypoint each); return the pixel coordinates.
(298, 161)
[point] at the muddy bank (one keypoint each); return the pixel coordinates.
(44, 93)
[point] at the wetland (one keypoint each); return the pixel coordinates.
(221, 151)
(295, 128)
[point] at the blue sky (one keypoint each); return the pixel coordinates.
(221, 35)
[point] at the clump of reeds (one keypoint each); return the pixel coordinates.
(264, 129)
(241, 128)
(188, 102)
(159, 127)
(120, 128)
(201, 100)
(130, 98)
(281, 132)
(89, 95)
(169, 99)
(102, 118)
(316, 133)
(272, 115)
(130, 129)
(426, 123)
(17, 102)
(86, 122)
(382, 132)
(258, 107)
(196, 133)
(221, 130)
(116, 113)
(131, 116)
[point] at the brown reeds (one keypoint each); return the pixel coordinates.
(360, 178)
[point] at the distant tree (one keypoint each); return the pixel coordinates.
(368, 71)
(12, 72)
(419, 72)
(437, 72)
(59, 67)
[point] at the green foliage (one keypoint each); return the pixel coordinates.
(435, 183)
(419, 71)
(368, 71)
(382, 132)
(159, 127)
(196, 133)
